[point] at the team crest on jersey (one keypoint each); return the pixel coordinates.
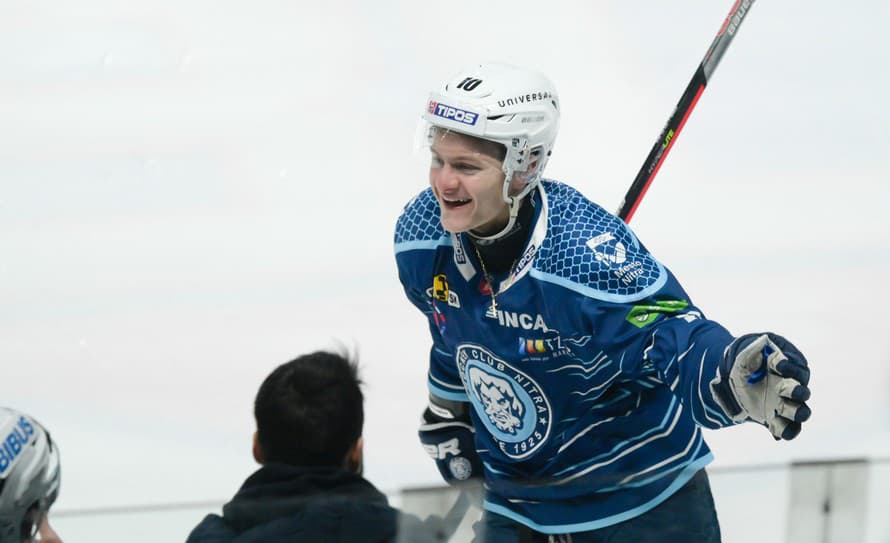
(511, 405)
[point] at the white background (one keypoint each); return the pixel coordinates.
(192, 193)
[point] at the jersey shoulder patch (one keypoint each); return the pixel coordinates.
(589, 250)
(419, 223)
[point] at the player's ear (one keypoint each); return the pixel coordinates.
(257, 450)
(355, 456)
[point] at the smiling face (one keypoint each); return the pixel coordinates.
(466, 177)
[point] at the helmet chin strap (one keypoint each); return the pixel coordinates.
(514, 202)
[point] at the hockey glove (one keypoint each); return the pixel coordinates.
(763, 377)
(451, 442)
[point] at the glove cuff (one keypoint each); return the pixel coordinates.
(724, 397)
(721, 388)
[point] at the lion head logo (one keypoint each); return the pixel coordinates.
(501, 404)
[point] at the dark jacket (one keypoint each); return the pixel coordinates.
(280, 502)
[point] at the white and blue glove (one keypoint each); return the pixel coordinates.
(764, 378)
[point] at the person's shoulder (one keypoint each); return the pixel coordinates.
(565, 201)
(362, 517)
(212, 529)
(419, 222)
(593, 252)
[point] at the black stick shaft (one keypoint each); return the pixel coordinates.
(684, 107)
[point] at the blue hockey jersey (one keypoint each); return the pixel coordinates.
(589, 380)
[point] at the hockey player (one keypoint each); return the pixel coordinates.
(30, 475)
(568, 366)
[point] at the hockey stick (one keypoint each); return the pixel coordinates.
(444, 527)
(687, 102)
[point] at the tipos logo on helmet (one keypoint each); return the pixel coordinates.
(448, 112)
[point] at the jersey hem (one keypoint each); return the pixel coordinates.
(678, 483)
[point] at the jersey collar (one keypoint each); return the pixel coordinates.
(523, 264)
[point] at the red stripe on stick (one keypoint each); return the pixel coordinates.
(664, 155)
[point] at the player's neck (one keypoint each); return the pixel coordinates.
(499, 254)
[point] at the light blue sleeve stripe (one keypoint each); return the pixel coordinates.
(678, 483)
(447, 394)
(598, 294)
(720, 416)
(421, 244)
(444, 384)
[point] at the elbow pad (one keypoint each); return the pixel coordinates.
(447, 435)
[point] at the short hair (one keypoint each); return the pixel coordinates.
(309, 411)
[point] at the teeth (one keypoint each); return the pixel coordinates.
(456, 201)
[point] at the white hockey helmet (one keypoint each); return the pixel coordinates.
(513, 106)
(30, 475)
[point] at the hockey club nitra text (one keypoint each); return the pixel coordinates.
(509, 403)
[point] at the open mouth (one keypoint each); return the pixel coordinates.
(455, 203)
